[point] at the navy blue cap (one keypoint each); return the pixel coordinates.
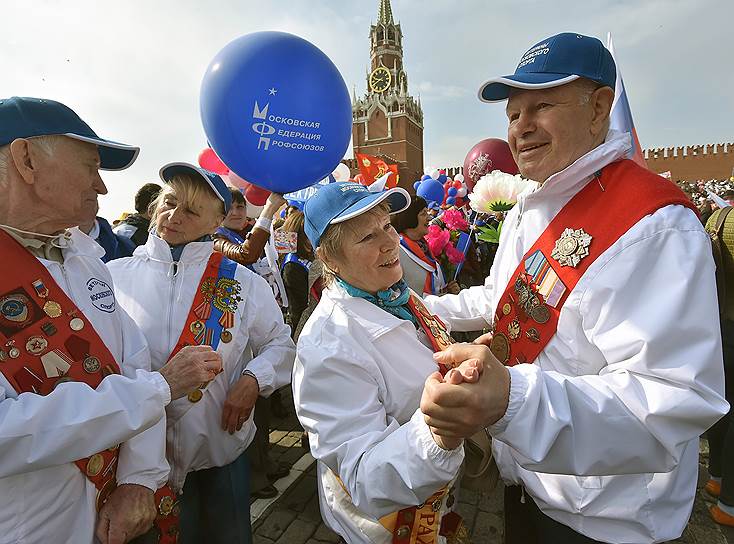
(555, 61)
(22, 117)
(341, 201)
(214, 181)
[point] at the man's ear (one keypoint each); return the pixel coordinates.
(601, 103)
(24, 157)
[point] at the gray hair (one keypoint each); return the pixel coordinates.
(47, 144)
(331, 243)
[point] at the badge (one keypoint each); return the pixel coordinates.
(13, 353)
(52, 308)
(500, 347)
(533, 334)
(226, 337)
(506, 308)
(91, 365)
(165, 507)
(95, 464)
(36, 345)
(15, 309)
(571, 247)
(49, 329)
(196, 327)
(40, 288)
(76, 324)
(195, 395)
(540, 314)
(513, 329)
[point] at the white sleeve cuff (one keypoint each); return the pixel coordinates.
(263, 223)
(160, 383)
(144, 482)
(518, 391)
(428, 444)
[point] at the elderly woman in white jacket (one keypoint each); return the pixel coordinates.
(179, 291)
(362, 360)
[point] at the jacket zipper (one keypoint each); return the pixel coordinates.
(174, 434)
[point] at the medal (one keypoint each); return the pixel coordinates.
(196, 327)
(49, 329)
(513, 329)
(95, 464)
(14, 353)
(571, 247)
(533, 334)
(165, 507)
(91, 365)
(36, 345)
(76, 324)
(40, 289)
(500, 347)
(540, 314)
(195, 395)
(52, 308)
(226, 337)
(506, 308)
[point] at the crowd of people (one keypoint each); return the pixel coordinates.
(138, 364)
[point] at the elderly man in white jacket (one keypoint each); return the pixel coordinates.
(600, 428)
(49, 161)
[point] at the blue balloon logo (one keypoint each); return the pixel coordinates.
(276, 111)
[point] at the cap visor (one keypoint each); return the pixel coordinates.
(112, 155)
(170, 170)
(398, 199)
(498, 89)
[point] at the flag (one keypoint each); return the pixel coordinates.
(621, 115)
(373, 168)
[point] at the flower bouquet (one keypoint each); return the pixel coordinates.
(442, 239)
(495, 194)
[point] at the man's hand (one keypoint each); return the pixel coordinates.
(274, 202)
(458, 410)
(191, 367)
(485, 339)
(129, 512)
(239, 403)
(453, 288)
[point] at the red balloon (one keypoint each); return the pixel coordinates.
(457, 184)
(488, 155)
(256, 195)
(208, 160)
(447, 185)
(237, 181)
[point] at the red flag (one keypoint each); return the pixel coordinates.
(372, 168)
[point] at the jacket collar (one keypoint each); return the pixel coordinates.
(372, 319)
(157, 249)
(574, 177)
(81, 245)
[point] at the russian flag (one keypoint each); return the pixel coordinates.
(621, 115)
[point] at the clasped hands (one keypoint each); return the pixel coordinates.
(473, 395)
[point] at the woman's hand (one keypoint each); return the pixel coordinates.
(274, 202)
(239, 403)
(453, 288)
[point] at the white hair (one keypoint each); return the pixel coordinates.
(47, 144)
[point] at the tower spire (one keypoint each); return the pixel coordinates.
(385, 14)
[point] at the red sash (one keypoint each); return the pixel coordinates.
(526, 317)
(47, 340)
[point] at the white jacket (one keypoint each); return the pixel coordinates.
(44, 497)
(357, 384)
(158, 293)
(603, 429)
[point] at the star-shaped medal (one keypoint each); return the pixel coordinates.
(571, 247)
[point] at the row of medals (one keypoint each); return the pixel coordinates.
(527, 302)
(197, 327)
(37, 344)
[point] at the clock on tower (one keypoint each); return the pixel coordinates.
(380, 79)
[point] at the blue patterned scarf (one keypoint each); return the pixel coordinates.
(393, 300)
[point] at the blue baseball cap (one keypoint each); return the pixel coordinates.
(552, 62)
(341, 201)
(22, 117)
(221, 189)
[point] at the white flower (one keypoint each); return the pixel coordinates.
(497, 191)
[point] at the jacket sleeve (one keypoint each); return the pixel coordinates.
(650, 310)
(470, 310)
(270, 338)
(385, 466)
(246, 253)
(143, 457)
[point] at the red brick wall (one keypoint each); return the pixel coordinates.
(691, 163)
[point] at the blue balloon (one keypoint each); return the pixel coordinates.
(425, 176)
(442, 178)
(431, 191)
(450, 201)
(452, 191)
(276, 110)
(417, 184)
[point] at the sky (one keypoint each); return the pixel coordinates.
(133, 69)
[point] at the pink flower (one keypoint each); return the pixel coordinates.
(454, 220)
(437, 238)
(454, 255)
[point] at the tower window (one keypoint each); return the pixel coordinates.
(390, 35)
